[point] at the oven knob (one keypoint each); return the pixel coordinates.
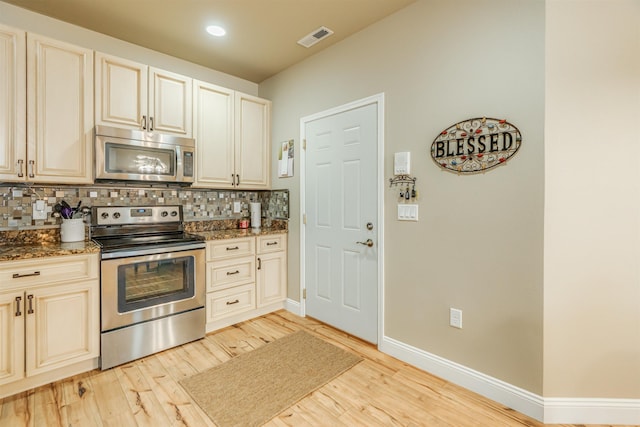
(105, 215)
(174, 213)
(116, 215)
(164, 213)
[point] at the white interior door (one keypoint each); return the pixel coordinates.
(341, 207)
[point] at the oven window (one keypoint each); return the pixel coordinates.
(148, 283)
(139, 160)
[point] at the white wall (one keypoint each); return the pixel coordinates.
(592, 199)
(478, 244)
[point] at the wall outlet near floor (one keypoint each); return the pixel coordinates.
(455, 318)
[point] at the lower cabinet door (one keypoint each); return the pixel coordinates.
(62, 326)
(271, 281)
(11, 336)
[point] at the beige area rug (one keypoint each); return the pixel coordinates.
(254, 387)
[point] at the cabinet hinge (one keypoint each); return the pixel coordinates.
(304, 144)
(304, 219)
(304, 293)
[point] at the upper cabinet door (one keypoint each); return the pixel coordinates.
(59, 111)
(253, 141)
(121, 92)
(170, 102)
(13, 143)
(213, 131)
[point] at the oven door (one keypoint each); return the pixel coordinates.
(140, 288)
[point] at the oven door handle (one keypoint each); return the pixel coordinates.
(153, 250)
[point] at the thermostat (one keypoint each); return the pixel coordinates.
(402, 163)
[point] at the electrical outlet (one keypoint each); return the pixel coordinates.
(236, 207)
(455, 318)
(39, 210)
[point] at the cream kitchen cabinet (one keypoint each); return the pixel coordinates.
(49, 313)
(13, 98)
(58, 94)
(246, 277)
(11, 337)
(252, 142)
(271, 281)
(213, 120)
(135, 96)
(231, 275)
(232, 132)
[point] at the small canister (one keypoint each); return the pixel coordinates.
(244, 223)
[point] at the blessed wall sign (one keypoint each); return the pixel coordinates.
(475, 145)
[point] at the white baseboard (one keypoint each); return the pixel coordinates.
(293, 306)
(549, 410)
(591, 411)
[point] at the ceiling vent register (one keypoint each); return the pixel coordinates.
(314, 37)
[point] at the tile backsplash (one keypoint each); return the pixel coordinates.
(17, 206)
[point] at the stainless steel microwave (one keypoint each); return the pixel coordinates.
(133, 155)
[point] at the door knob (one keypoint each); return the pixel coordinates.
(369, 243)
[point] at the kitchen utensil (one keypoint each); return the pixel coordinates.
(66, 212)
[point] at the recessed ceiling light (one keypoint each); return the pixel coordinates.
(216, 30)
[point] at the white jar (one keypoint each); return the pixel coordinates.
(72, 230)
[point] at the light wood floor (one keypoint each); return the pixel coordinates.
(379, 391)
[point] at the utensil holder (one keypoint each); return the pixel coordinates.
(72, 230)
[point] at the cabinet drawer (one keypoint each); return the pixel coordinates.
(221, 249)
(230, 301)
(272, 243)
(231, 272)
(48, 270)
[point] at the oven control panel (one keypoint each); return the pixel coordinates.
(119, 215)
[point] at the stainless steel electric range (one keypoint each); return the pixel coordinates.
(152, 281)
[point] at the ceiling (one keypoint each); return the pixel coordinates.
(261, 35)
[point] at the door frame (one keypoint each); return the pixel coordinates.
(377, 99)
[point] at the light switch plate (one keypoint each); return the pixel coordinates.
(407, 212)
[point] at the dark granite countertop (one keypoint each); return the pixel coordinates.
(18, 245)
(17, 251)
(237, 233)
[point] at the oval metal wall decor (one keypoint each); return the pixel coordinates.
(475, 145)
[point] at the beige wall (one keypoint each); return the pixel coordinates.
(592, 199)
(32, 22)
(478, 244)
